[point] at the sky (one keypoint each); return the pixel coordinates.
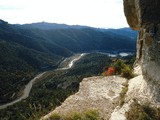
(95, 13)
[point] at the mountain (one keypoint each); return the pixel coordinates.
(48, 26)
(27, 49)
(125, 32)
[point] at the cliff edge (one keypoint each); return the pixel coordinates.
(113, 97)
(99, 93)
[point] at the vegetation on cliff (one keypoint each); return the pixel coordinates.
(122, 67)
(143, 112)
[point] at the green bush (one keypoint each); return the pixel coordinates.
(118, 65)
(55, 116)
(127, 72)
(91, 115)
(123, 69)
(73, 116)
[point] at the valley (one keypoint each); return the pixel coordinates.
(54, 87)
(42, 64)
(28, 86)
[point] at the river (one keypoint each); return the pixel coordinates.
(69, 62)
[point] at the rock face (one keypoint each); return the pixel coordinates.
(144, 15)
(100, 93)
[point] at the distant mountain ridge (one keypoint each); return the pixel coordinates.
(48, 26)
(63, 40)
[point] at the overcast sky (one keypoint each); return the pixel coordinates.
(95, 13)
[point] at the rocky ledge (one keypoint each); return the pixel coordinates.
(113, 97)
(100, 93)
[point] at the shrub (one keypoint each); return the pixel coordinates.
(118, 65)
(73, 116)
(152, 112)
(55, 116)
(143, 112)
(111, 71)
(104, 73)
(127, 72)
(122, 95)
(119, 68)
(92, 115)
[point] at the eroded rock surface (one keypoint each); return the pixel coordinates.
(119, 113)
(100, 93)
(138, 89)
(144, 15)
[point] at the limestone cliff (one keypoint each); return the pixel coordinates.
(144, 15)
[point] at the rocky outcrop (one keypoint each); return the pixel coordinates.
(138, 89)
(119, 113)
(105, 94)
(144, 15)
(100, 93)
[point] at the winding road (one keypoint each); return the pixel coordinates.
(28, 87)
